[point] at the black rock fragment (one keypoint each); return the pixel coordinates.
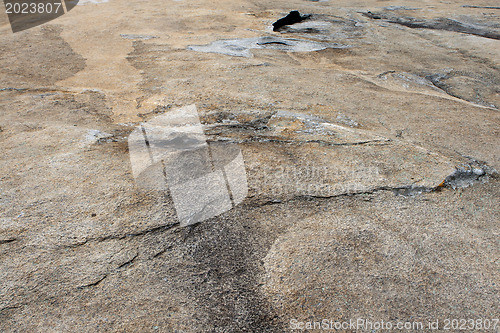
(292, 18)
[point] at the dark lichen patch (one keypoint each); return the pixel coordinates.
(227, 253)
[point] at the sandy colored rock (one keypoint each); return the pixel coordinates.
(371, 166)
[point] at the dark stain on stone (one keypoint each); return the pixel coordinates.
(476, 87)
(228, 253)
(441, 23)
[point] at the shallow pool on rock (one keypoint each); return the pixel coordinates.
(241, 47)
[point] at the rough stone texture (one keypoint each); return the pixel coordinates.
(371, 167)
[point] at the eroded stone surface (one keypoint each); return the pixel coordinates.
(371, 169)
